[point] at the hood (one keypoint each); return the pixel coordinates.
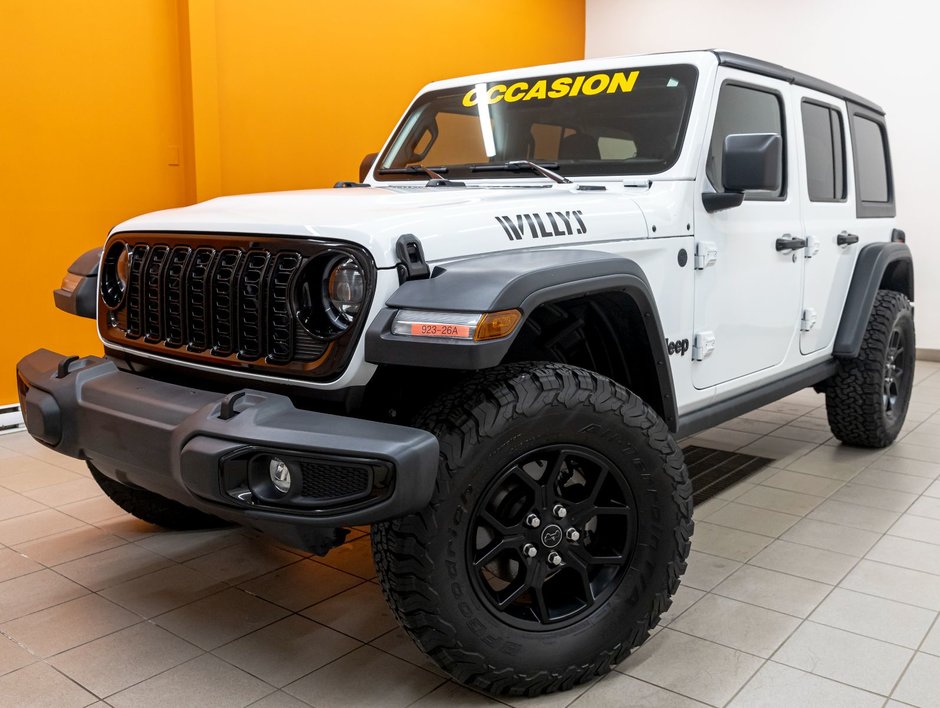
(450, 222)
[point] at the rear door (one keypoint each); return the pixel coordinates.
(829, 218)
(747, 292)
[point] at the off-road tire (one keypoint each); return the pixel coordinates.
(153, 508)
(855, 400)
(420, 558)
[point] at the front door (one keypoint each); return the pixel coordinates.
(748, 286)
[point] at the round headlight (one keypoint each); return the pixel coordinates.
(114, 274)
(346, 288)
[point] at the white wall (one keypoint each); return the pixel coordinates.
(885, 51)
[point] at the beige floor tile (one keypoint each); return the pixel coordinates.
(895, 583)
(242, 561)
(706, 571)
(205, 681)
(34, 592)
(94, 510)
(874, 617)
(860, 517)
(13, 656)
(920, 685)
(933, 490)
(773, 590)
(220, 618)
(300, 585)
(288, 649)
(781, 450)
(728, 543)
(769, 416)
(737, 625)
(684, 598)
(778, 686)
(926, 506)
(14, 505)
(918, 528)
(32, 526)
(836, 462)
(163, 590)
(19, 688)
(746, 424)
(724, 439)
(691, 666)
(398, 643)
(120, 660)
(450, 694)
(931, 644)
(617, 689)
(354, 557)
(129, 528)
(733, 492)
(392, 682)
(780, 500)
(66, 492)
(360, 612)
(62, 627)
(279, 699)
(182, 546)
(14, 564)
(859, 661)
(863, 495)
(69, 545)
(112, 567)
(797, 559)
(37, 474)
(907, 553)
(803, 483)
(918, 468)
(816, 434)
(705, 509)
(908, 452)
(892, 480)
(750, 518)
(832, 537)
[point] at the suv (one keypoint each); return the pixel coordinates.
(487, 347)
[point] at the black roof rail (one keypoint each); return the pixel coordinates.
(775, 71)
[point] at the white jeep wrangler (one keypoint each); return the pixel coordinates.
(487, 347)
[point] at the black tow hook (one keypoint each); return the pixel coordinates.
(63, 368)
(227, 409)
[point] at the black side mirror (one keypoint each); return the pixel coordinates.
(366, 165)
(752, 161)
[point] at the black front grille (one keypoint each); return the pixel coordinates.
(232, 301)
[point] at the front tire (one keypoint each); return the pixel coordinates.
(556, 536)
(153, 508)
(867, 399)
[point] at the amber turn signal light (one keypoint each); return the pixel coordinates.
(494, 325)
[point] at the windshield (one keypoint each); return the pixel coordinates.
(612, 122)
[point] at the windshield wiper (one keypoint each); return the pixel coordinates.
(520, 165)
(433, 172)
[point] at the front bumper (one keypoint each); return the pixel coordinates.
(199, 448)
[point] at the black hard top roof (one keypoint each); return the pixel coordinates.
(775, 71)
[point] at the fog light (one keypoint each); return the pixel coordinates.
(280, 475)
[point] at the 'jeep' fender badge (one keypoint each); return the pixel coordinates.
(680, 347)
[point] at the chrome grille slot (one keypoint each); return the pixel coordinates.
(223, 302)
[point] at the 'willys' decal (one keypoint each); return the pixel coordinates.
(543, 225)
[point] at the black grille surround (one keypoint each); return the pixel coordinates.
(230, 301)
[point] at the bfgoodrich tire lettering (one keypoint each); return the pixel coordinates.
(866, 401)
(483, 426)
(153, 508)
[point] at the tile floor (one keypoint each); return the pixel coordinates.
(815, 582)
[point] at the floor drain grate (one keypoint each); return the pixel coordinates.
(711, 471)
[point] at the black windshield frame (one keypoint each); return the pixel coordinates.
(656, 104)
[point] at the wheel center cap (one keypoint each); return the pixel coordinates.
(551, 536)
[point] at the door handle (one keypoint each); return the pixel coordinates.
(790, 243)
(845, 239)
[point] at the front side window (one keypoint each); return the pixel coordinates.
(744, 109)
(825, 152)
(610, 122)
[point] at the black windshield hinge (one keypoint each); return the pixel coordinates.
(411, 263)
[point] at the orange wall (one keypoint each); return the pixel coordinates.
(98, 97)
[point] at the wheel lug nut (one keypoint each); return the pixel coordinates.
(529, 551)
(533, 521)
(560, 511)
(554, 558)
(573, 535)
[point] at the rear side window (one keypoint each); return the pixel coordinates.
(823, 138)
(744, 109)
(871, 159)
